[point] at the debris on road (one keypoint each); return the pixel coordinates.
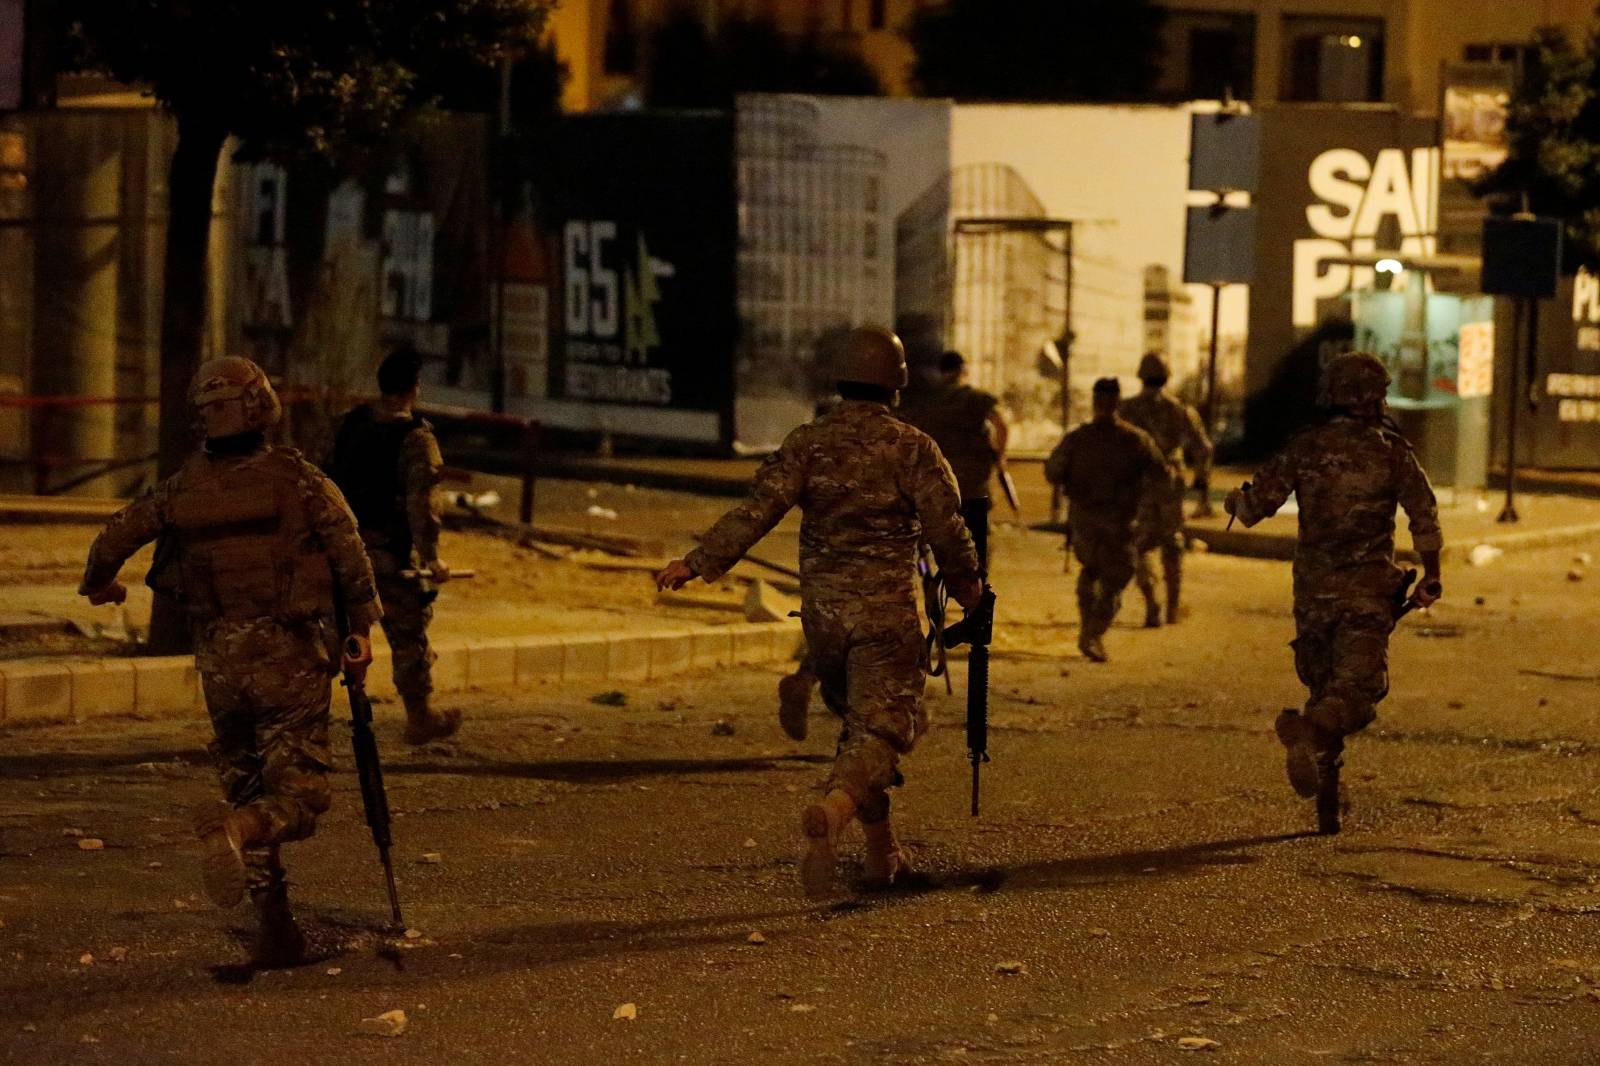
(801, 1008)
(1198, 1043)
(389, 1023)
(91, 844)
(86, 959)
(334, 971)
(1011, 967)
(749, 842)
(755, 938)
(1484, 554)
(722, 728)
(72, 832)
(628, 1012)
(118, 954)
(430, 858)
(614, 698)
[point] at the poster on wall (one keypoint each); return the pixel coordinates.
(639, 212)
(1119, 176)
(1563, 429)
(829, 195)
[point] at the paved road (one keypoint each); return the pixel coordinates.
(1139, 854)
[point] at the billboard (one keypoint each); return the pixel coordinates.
(1336, 183)
(641, 209)
(1562, 431)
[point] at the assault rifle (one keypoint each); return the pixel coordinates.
(369, 770)
(976, 630)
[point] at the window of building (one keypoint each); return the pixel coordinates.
(1510, 55)
(622, 40)
(1332, 60)
(1210, 55)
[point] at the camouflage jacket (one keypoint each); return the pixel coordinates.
(1348, 475)
(277, 540)
(957, 418)
(1174, 426)
(870, 488)
(1105, 468)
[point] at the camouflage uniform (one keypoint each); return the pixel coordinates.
(1176, 428)
(956, 417)
(399, 515)
(256, 545)
(1104, 468)
(870, 488)
(1348, 475)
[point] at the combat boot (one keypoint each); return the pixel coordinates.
(225, 832)
(885, 859)
(1300, 742)
(279, 943)
(1152, 614)
(424, 725)
(821, 823)
(1093, 648)
(794, 703)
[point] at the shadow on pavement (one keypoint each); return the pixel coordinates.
(1085, 870)
(65, 762)
(592, 771)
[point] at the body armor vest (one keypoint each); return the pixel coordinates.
(245, 546)
(366, 466)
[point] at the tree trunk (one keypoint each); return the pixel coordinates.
(191, 180)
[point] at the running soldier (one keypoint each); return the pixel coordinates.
(260, 547)
(1104, 468)
(386, 462)
(871, 488)
(1175, 427)
(965, 422)
(1348, 473)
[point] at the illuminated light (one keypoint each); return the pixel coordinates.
(1353, 41)
(1389, 266)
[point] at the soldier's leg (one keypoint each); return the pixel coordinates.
(1144, 575)
(229, 865)
(407, 613)
(1316, 621)
(1172, 571)
(1358, 674)
(1116, 562)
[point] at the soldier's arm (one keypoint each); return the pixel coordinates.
(1057, 466)
(933, 490)
(1269, 490)
(422, 467)
(335, 526)
(1197, 447)
(1422, 510)
(998, 429)
(130, 529)
(776, 489)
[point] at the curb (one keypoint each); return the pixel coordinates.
(1250, 544)
(168, 686)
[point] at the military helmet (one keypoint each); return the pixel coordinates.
(1353, 380)
(232, 395)
(1153, 369)
(872, 355)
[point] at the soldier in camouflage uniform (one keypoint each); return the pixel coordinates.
(1175, 427)
(258, 545)
(870, 488)
(386, 462)
(1104, 468)
(966, 423)
(1348, 474)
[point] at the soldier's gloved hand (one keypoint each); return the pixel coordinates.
(357, 656)
(1427, 592)
(114, 592)
(676, 575)
(438, 571)
(968, 593)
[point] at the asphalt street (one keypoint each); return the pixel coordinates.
(591, 883)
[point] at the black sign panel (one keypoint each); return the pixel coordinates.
(1225, 152)
(641, 208)
(1219, 245)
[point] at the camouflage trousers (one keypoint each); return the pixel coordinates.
(267, 689)
(1341, 652)
(1106, 563)
(869, 657)
(1159, 528)
(407, 611)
